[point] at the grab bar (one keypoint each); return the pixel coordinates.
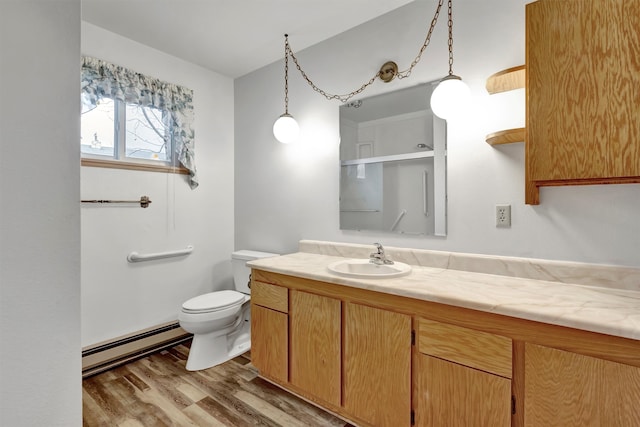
(395, 224)
(136, 257)
(425, 193)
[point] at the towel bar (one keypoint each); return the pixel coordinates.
(144, 201)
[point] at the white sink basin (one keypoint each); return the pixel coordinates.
(363, 269)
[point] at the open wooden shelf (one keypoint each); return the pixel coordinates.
(505, 80)
(506, 136)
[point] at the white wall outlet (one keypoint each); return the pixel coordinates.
(503, 215)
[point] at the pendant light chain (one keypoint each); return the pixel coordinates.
(329, 96)
(286, 75)
(400, 74)
(450, 14)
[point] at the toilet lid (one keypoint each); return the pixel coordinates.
(213, 301)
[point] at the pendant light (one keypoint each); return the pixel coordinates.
(286, 129)
(451, 93)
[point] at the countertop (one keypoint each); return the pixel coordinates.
(598, 309)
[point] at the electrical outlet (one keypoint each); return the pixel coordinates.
(503, 215)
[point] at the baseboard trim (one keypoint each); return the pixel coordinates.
(109, 354)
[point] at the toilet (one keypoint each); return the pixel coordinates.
(220, 321)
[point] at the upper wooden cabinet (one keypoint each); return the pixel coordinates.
(583, 93)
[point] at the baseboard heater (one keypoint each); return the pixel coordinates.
(109, 354)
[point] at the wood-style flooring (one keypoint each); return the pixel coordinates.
(158, 391)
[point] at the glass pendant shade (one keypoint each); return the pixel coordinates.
(450, 96)
(286, 129)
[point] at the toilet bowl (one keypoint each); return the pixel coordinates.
(220, 321)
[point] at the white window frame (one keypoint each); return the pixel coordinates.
(120, 160)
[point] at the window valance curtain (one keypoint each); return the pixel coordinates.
(101, 79)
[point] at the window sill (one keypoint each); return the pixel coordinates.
(113, 164)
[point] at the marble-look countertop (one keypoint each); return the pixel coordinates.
(608, 310)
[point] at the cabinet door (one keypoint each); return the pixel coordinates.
(315, 345)
(565, 389)
(269, 342)
(567, 91)
(624, 77)
(448, 394)
(377, 365)
(583, 101)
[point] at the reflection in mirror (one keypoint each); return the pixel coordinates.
(393, 164)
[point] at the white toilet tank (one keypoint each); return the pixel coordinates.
(241, 272)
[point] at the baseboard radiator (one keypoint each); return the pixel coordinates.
(109, 354)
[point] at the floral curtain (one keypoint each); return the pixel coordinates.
(101, 79)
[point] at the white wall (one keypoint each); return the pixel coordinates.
(289, 192)
(39, 213)
(119, 297)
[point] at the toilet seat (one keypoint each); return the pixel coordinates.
(214, 301)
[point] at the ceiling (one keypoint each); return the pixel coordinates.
(231, 37)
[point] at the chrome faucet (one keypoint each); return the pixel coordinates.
(379, 257)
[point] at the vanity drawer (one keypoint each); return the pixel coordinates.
(475, 349)
(270, 296)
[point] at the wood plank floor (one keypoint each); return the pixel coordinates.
(158, 391)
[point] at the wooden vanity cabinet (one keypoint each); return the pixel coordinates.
(583, 96)
(270, 330)
(569, 389)
(351, 358)
(377, 365)
(349, 351)
(315, 338)
(462, 377)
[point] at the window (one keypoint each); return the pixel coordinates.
(132, 119)
(129, 132)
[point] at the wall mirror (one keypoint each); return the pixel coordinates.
(393, 164)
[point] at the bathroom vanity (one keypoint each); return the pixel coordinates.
(444, 346)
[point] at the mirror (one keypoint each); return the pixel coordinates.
(393, 164)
